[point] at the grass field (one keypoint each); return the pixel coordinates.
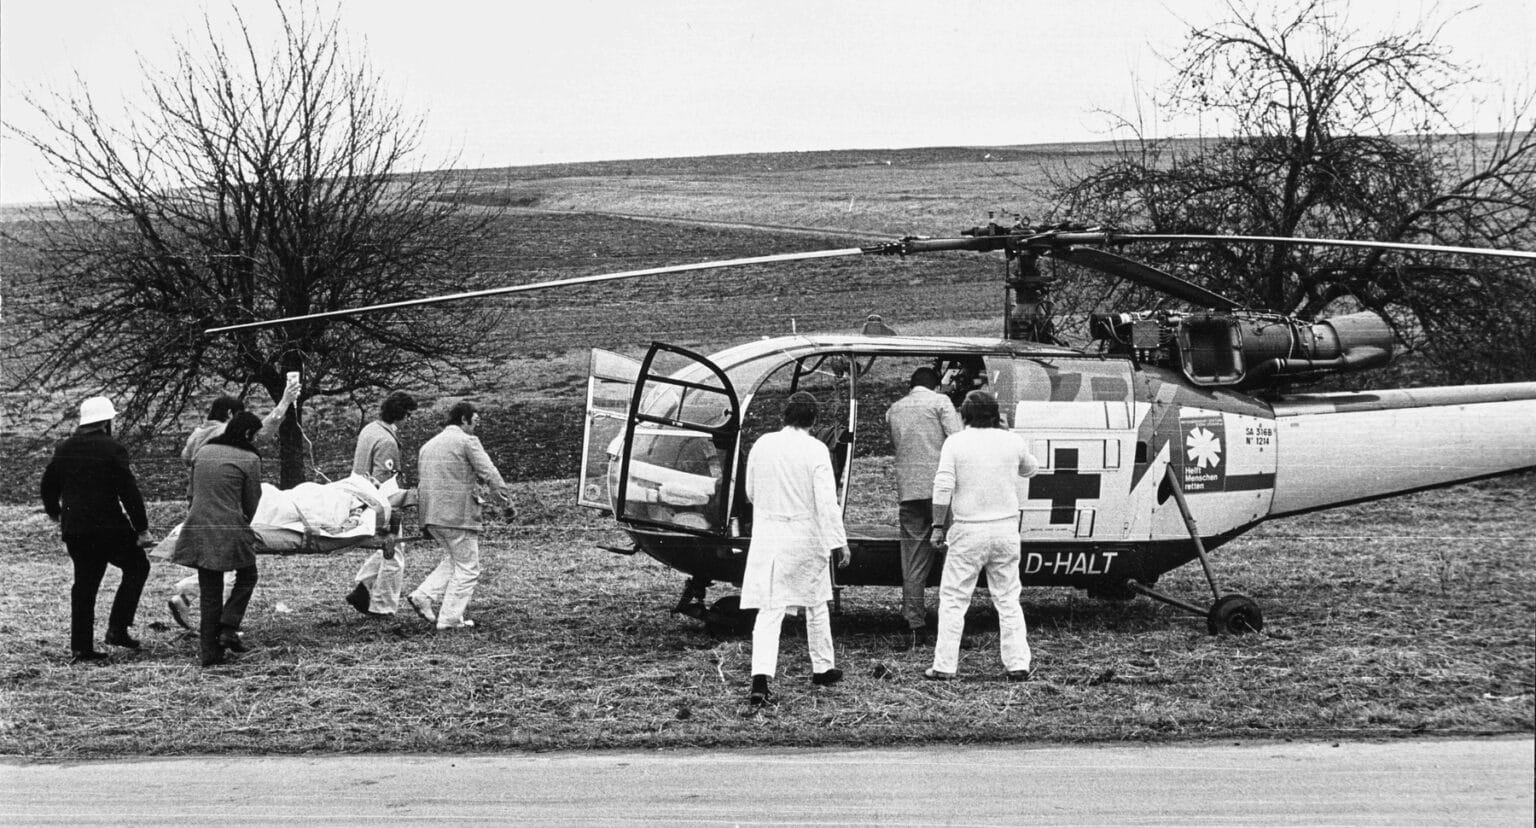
(1409, 616)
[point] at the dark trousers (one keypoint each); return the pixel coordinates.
(917, 554)
(218, 615)
(91, 554)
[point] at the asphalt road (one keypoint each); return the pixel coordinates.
(1418, 782)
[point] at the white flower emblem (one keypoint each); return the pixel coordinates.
(1204, 447)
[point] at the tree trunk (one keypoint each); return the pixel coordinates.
(291, 450)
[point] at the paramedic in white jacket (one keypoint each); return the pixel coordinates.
(976, 509)
(797, 527)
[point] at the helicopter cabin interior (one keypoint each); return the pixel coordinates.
(1079, 411)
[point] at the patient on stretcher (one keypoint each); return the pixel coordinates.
(315, 517)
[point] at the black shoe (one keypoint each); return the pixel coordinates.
(359, 599)
(213, 659)
(121, 638)
(85, 656)
(831, 676)
(1020, 675)
(231, 641)
(759, 695)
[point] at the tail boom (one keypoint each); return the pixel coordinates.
(1335, 449)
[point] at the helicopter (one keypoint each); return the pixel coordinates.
(1177, 435)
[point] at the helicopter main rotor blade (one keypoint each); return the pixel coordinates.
(579, 280)
(1123, 238)
(1116, 265)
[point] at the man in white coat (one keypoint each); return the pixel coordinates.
(797, 528)
(978, 485)
(450, 468)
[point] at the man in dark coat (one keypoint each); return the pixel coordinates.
(90, 490)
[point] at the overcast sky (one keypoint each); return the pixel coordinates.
(514, 83)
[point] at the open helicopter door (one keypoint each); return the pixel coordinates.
(677, 454)
(610, 384)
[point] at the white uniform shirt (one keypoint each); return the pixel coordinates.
(979, 471)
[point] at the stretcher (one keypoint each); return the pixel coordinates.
(322, 518)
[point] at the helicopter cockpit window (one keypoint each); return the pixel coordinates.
(828, 378)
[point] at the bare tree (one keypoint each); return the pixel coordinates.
(253, 184)
(1331, 133)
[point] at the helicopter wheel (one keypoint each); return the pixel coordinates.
(726, 617)
(1235, 614)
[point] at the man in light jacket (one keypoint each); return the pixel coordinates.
(451, 466)
(797, 528)
(977, 485)
(919, 423)
(378, 457)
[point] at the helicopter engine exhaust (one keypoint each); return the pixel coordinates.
(1246, 349)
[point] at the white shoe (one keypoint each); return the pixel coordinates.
(461, 625)
(178, 605)
(423, 607)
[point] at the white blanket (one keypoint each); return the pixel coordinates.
(352, 507)
(349, 508)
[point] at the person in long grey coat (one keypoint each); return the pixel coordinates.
(217, 536)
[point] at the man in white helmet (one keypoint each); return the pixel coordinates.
(89, 488)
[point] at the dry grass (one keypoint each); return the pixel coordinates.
(1374, 630)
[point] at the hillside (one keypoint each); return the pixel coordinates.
(578, 219)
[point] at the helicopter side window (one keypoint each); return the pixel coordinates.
(1071, 393)
(1049, 381)
(698, 407)
(1065, 387)
(1109, 389)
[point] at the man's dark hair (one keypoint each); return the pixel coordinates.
(800, 410)
(240, 432)
(979, 410)
(396, 406)
(926, 377)
(224, 406)
(462, 412)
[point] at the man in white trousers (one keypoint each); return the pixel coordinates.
(797, 528)
(976, 510)
(378, 457)
(450, 468)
